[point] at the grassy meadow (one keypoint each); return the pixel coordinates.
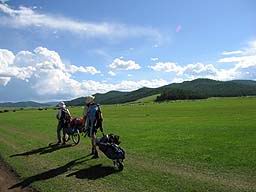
(203, 145)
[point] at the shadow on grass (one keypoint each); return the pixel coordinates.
(94, 172)
(43, 150)
(50, 173)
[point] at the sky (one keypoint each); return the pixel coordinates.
(57, 50)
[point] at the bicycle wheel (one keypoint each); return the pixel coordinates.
(76, 137)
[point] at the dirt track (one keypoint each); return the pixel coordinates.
(8, 178)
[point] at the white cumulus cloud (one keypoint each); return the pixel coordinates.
(121, 64)
(154, 58)
(167, 67)
(112, 73)
(47, 77)
(44, 70)
(244, 64)
(6, 58)
(75, 69)
(199, 70)
(102, 87)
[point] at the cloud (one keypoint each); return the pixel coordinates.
(120, 64)
(75, 69)
(112, 73)
(4, 80)
(154, 58)
(244, 66)
(6, 58)
(4, 1)
(167, 67)
(44, 70)
(232, 52)
(102, 87)
(24, 17)
(8, 69)
(189, 71)
(43, 76)
(199, 70)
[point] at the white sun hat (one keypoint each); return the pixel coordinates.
(89, 99)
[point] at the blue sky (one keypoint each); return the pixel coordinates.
(54, 50)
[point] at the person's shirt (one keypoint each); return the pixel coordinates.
(93, 111)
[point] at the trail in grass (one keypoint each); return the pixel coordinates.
(7, 179)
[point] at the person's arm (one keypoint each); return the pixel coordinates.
(58, 116)
(69, 113)
(85, 111)
(85, 114)
(100, 117)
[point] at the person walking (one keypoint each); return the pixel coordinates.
(63, 116)
(93, 121)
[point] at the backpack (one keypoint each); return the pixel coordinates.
(65, 115)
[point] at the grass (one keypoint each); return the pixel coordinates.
(204, 145)
(145, 100)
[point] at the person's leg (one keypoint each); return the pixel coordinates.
(90, 134)
(64, 136)
(94, 149)
(59, 132)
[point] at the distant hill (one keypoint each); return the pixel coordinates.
(26, 104)
(199, 88)
(115, 97)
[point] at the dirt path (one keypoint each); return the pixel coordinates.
(8, 178)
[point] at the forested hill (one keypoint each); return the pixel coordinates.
(198, 88)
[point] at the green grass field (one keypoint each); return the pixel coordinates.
(204, 145)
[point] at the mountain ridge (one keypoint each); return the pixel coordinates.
(206, 87)
(212, 88)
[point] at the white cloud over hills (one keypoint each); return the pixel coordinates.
(43, 69)
(243, 61)
(43, 72)
(189, 71)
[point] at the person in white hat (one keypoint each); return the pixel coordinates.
(93, 121)
(88, 100)
(63, 116)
